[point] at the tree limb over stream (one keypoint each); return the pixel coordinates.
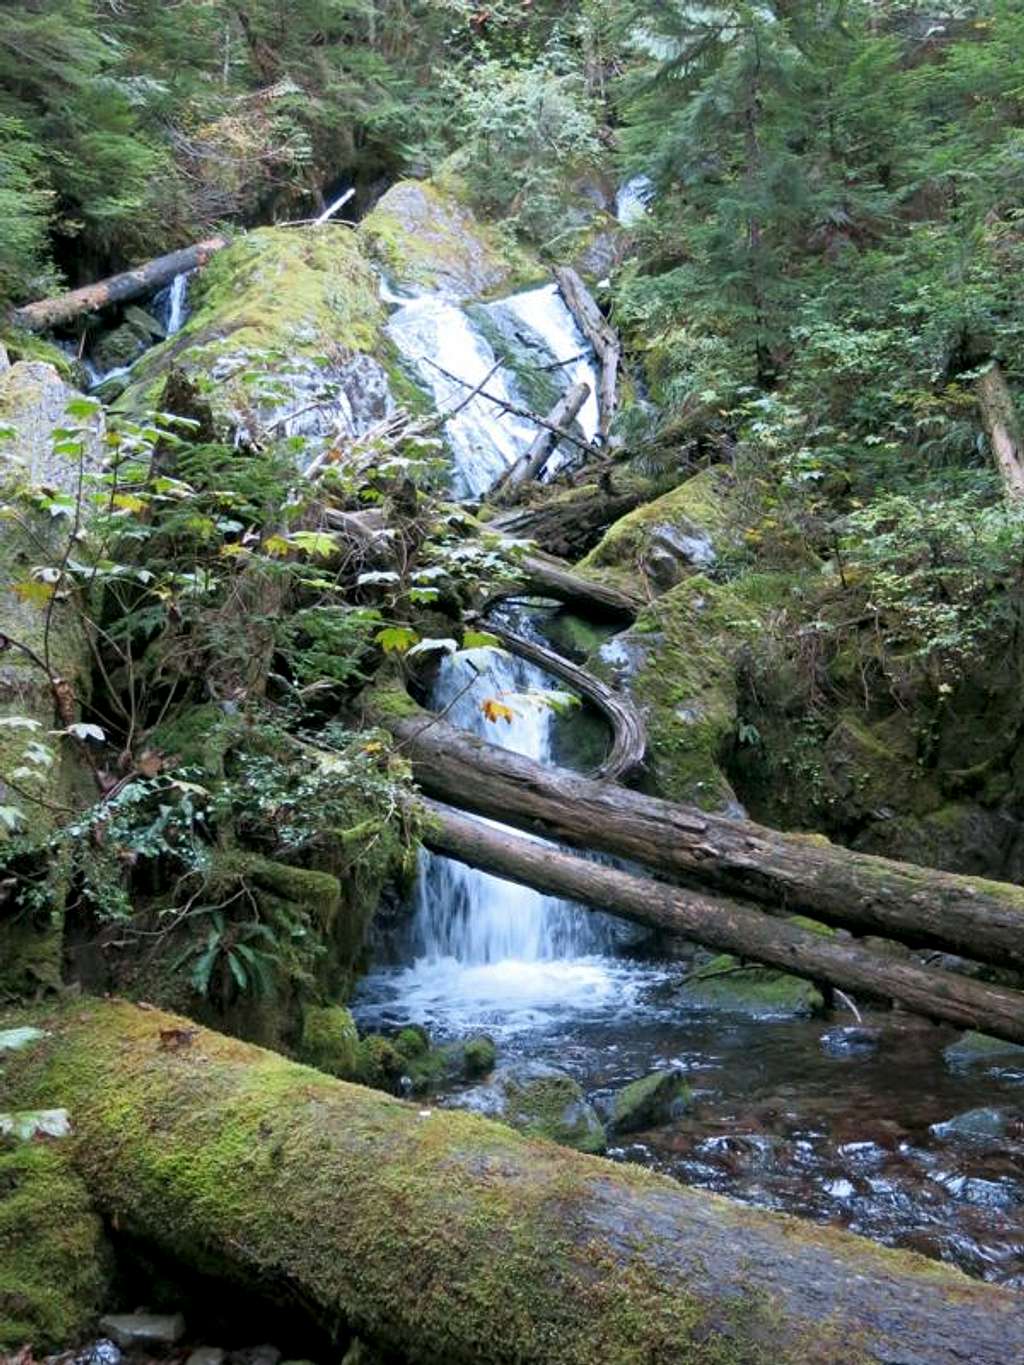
(453, 1238)
(976, 918)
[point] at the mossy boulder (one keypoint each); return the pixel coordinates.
(978, 1050)
(871, 768)
(410, 1063)
(281, 321)
(726, 983)
(330, 1040)
(658, 1098)
(680, 661)
(426, 238)
(54, 1261)
(33, 403)
(541, 1101)
(663, 541)
(961, 836)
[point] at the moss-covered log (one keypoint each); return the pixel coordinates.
(544, 576)
(54, 312)
(719, 923)
(452, 1238)
(972, 916)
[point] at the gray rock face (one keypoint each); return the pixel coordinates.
(144, 1330)
(207, 1355)
(542, 1101)
(33, 399)
(674, 552)
(979, 1050)
(13, 1039)
(29, 1124)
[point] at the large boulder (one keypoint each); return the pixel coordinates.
(658, 1098)
(427, 240)
(286, 336)
(666, 540)
(541, 1101)
(33, 404)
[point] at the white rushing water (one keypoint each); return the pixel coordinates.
(451, 356)
(176, 313)
(633, 200)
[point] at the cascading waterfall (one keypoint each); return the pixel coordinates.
(633, 200)
(483, 948)
(174, 312)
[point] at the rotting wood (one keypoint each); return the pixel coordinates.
(63, 308)
(531, 464)
(602, 337)
(445, 1236)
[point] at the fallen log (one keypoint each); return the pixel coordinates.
(999, 418)
(444, 1236)
(543, 576)
(971, 916)
(629, 734)
(569, 525)
(725, 925)
(601, 335)
(54, 312)
(530, 465)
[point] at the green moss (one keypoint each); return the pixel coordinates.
(480, 1056)
(199, 736)
(53, 1258)
(727, 984)
(652, 1099)
(697, 510)
(330, 1041)
(439, 1233)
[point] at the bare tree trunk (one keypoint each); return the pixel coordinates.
(47, 313)
(543, 576)
(601, 335)
(999, 416)
(725, 925)
(977, 918)
(444, 1236)
(531, 465)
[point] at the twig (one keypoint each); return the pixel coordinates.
(847, 1001)
(513, 409)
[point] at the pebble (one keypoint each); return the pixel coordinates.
(144, 1329)
(850, 1040)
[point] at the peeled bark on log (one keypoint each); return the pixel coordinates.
(543, 576)
(722, 924)
(976, 918)
(601, 335)
(629, 734)
(999, 416)
(47, 313)
(530, 465)
(449, 1237)
(566, 526)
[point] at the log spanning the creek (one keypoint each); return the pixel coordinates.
(629, 734)
(602, 337)
(544, 576)
(794, 873)
(446, 1237)
(718, 923)
(530, 465)
(63, 308)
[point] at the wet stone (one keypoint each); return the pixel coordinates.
(974, 1124)
(148, 1330)
(850, 1041)
(103, 1352)
(35, 1123)
(207, 1355)
(13, 1039)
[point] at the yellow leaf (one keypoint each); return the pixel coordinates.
(128, 502)
(232, 549)
(495, 710)
(36, 594)
(276, 545)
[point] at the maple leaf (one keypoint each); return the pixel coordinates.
(495, 710)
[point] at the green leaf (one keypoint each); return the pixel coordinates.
(479, 639)
(396, 639)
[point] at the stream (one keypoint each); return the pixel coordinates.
(846, 1136)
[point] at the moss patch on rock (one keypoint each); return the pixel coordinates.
(330, 1040)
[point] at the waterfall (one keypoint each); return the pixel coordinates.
(470, 916)
(633, 199)
(439, 339)
(177, 304)
(431, 332)
(544, 312)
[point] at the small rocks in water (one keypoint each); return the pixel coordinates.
(975, 1049)
(149, 1330)
(541, 1101)
(850, 1040)
(257, 1355)
(975, 1123)
(658, 1098)
(33, 1123)
(103, 1352)
(207, 1355)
